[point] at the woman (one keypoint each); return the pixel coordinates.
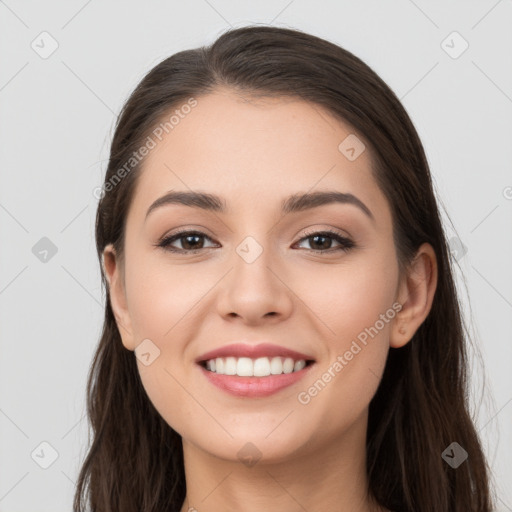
(281, 327)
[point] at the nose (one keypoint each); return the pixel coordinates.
(255, 291)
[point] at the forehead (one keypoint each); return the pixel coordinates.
(254, 152)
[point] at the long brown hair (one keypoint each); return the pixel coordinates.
(135, 461)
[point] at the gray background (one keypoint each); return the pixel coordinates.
(57, 118)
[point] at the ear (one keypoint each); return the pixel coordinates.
(117, 294)
(416, 294)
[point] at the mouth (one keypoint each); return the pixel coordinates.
(254, 367)
(245, 377)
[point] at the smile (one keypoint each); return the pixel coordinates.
(261, 377)
(260, 367)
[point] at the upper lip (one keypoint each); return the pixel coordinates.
(253, 351)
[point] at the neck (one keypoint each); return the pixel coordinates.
(331, 477)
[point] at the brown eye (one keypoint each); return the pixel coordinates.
(190, 241)
(322, 241)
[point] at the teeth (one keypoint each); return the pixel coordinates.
(299, 365)
(288, 365)
(261, 367)
(276, 366)
(230, 366)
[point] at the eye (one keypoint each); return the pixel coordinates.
(190, 240)
(319, 238)
(190, 244)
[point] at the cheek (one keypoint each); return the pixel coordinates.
(348, 378)
(355, 310)
(346, 299)
(160, 297)
(161, 304)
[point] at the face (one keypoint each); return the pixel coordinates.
(320, 280)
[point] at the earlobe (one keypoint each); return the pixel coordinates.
(416, 294)
(117, 295)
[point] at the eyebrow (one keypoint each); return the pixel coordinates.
(295, 203)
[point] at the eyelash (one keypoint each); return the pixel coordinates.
(345, 243)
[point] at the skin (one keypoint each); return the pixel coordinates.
(254, 153)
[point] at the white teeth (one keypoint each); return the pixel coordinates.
(244, 367)
(260, 367)
(297, 366)
(276, 366)
(288, 365)
(230, 366)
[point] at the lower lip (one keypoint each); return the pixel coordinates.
(254, 386)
